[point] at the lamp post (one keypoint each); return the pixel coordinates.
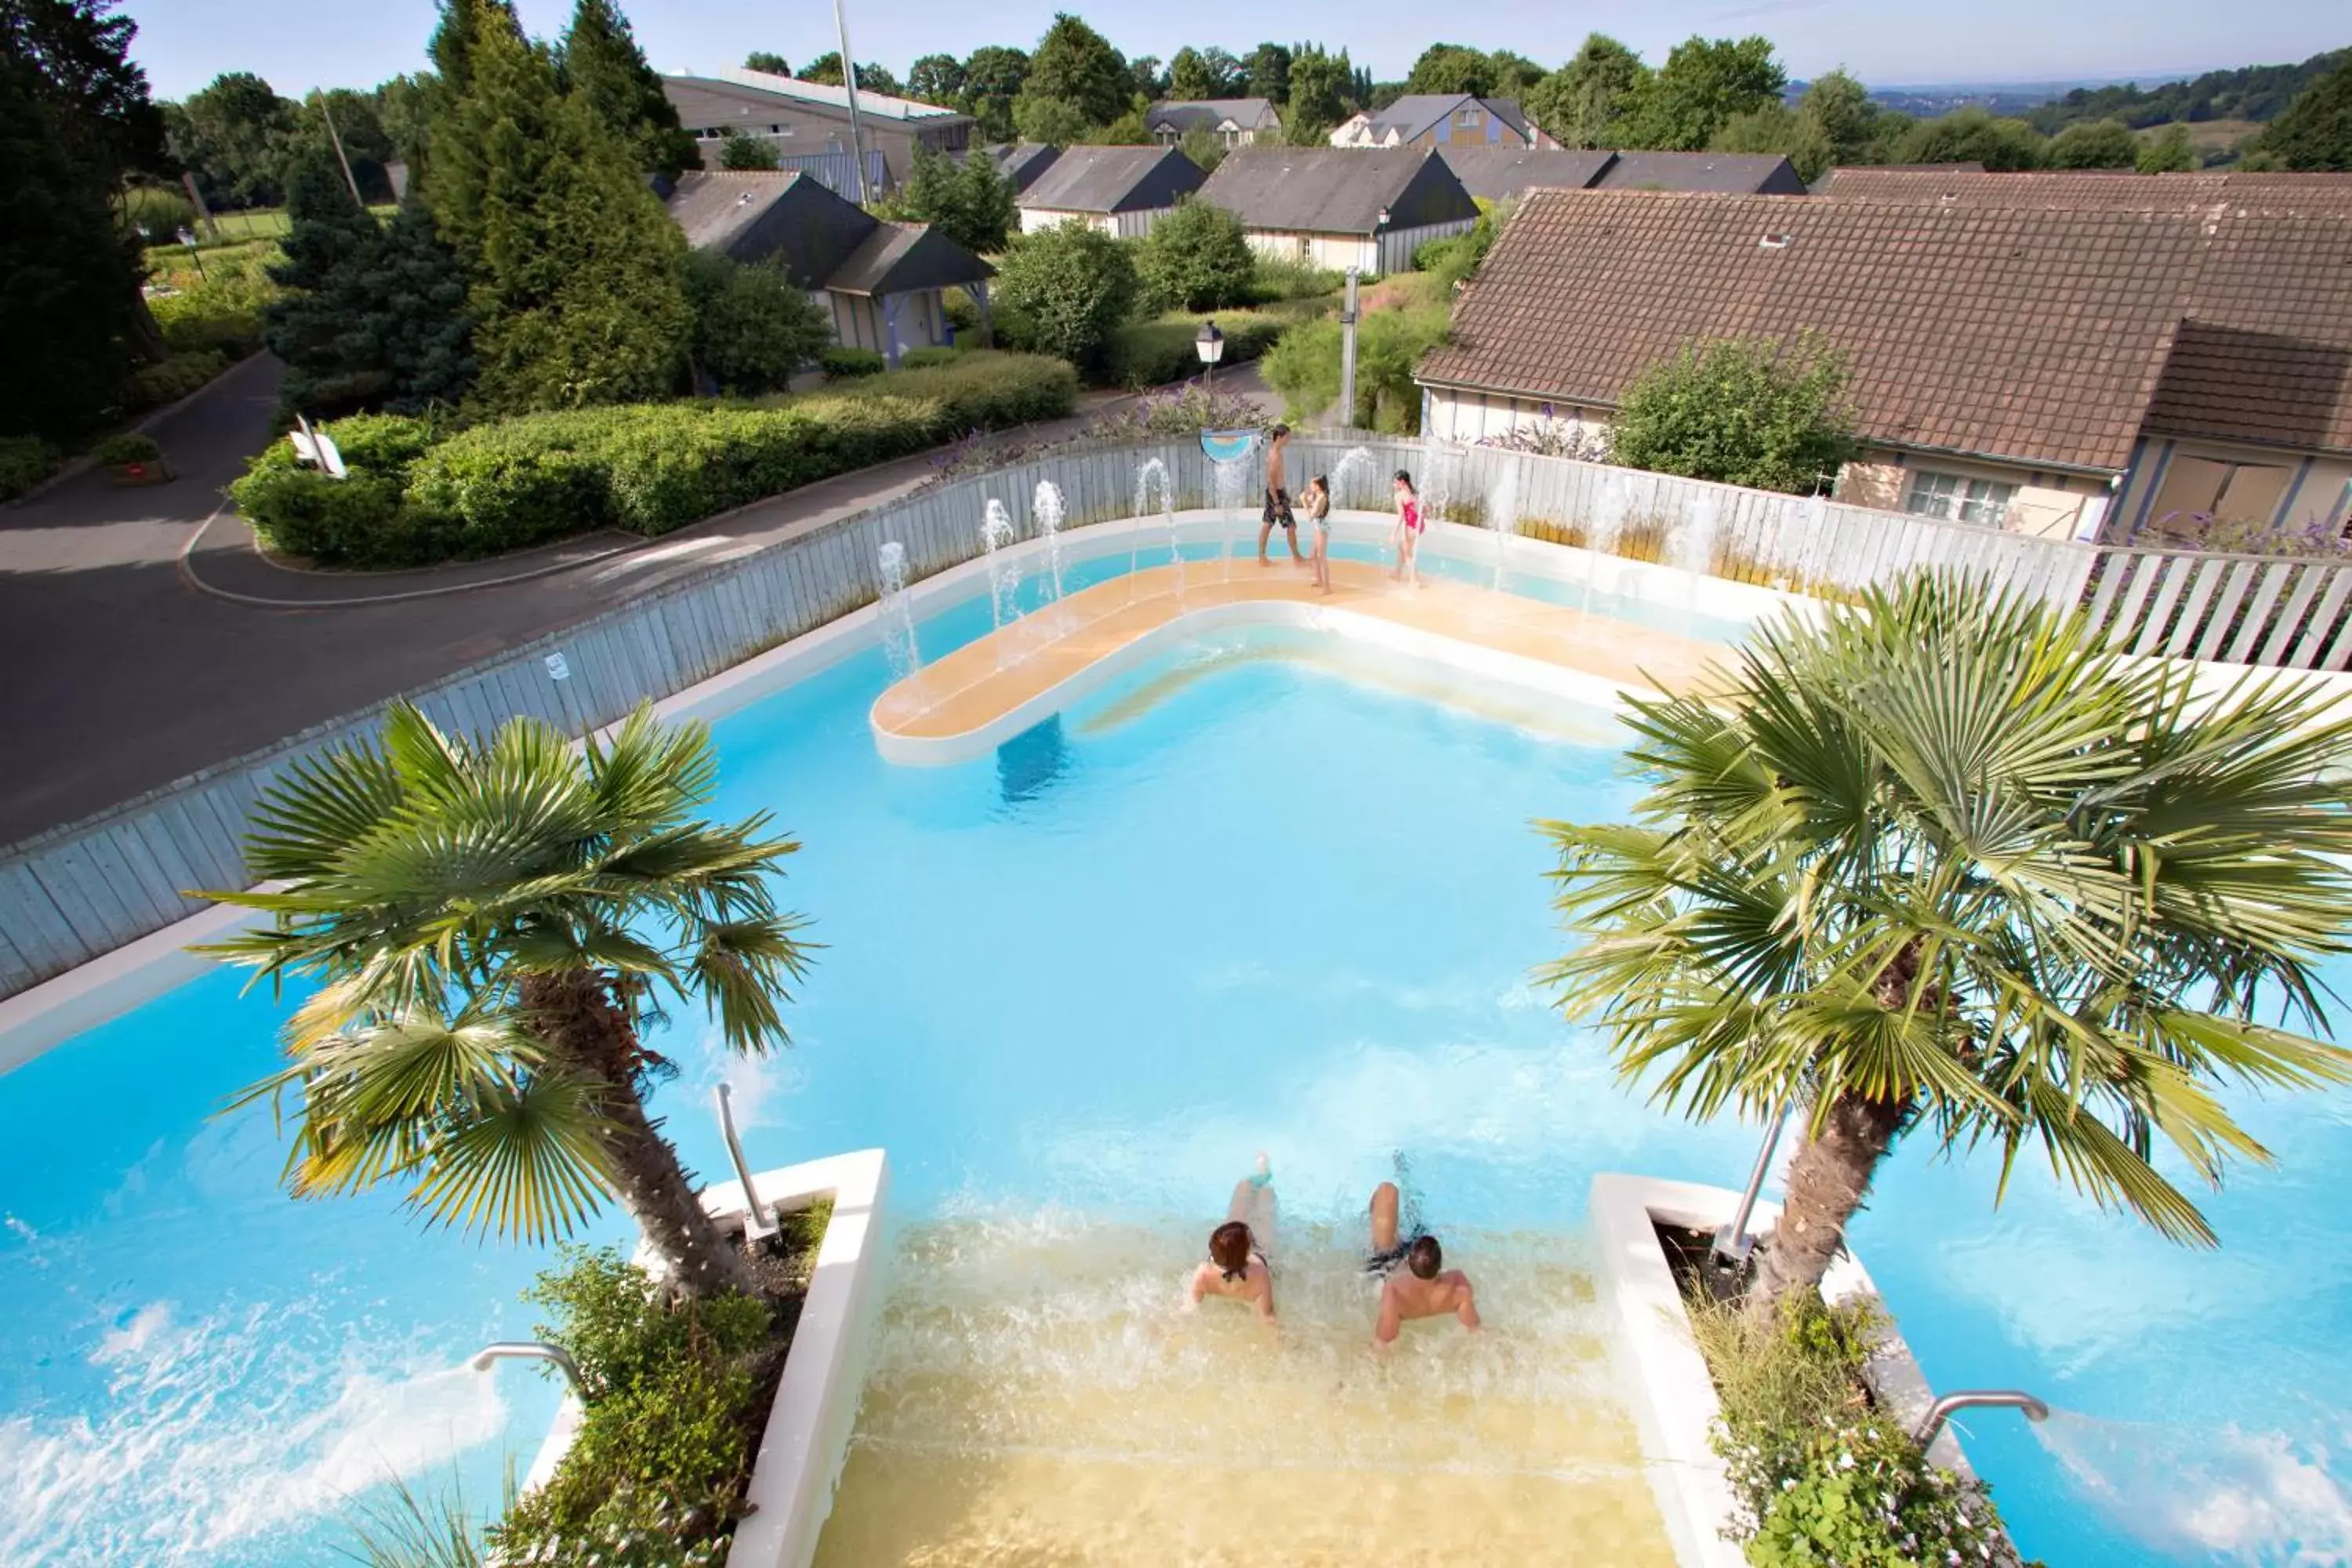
(1210, 346)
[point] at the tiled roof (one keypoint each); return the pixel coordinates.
(1113, 180)
(2079, 188)
(1336, 190)
(2032, 335)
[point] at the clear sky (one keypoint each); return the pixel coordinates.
(299, 43)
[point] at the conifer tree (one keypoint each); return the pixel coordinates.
(604, 69)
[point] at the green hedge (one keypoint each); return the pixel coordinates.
(25, 461)
(648, 467)
(848, 364)
(1155, 353)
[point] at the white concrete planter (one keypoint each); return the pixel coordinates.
(1672, 1397)
(807, 1436)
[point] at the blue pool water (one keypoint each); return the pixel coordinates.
(1247, 900)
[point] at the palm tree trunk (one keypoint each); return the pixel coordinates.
(1827, 1181)
(592, 1034)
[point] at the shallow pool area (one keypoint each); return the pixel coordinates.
(1255, 894)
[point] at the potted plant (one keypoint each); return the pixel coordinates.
(133, 459)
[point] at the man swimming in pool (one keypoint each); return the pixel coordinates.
(1241, 1251)
(1424, 1286)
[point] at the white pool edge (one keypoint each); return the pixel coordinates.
(807, 1432)
(1672, 1397)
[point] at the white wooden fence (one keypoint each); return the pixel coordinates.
(84, 889)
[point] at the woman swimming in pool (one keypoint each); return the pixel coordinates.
(1241, 1262)
(1409, 527)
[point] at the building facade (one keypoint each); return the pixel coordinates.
(1341, 207)
(1121, 191)
(801, 117)
(1430, 120)
(1234, 121)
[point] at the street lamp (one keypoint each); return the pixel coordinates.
(1211, 346)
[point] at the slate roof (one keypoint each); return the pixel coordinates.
(901, 257)
(1181, 114)
(2118, 188)
(1022, 162)
(1494, 172)
(2036, 336)
(1417, 111)
(1336, 190)
(1753, 174)
(879, 105)
(1113, 180)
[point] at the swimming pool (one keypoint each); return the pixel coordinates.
(1257, 896)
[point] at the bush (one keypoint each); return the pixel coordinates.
(160, 210)
(1195, 259)
(1740, 412)
(848, 364)
(1153, 353)
(153, 385)
(1274, 277)
(1304, 366)
(651, 468)
(1070, 288)
(25, 461)
(924, 359)
(131, 446)
(1182, 413)
(754, 327)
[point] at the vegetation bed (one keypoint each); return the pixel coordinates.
(678, 1397)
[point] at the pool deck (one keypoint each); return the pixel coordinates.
(980, 684)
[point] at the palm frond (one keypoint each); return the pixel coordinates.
(526, 1163)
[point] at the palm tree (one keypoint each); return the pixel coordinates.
(1944, 860)
(490, 928)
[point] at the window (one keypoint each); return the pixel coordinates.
(1467, 116)
(1954, 498)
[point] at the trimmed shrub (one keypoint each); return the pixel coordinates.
(361, 521)
(848, 364)
(25, 461)
(1153, 353)
(153, 385)
(131, 446)
(923, 359)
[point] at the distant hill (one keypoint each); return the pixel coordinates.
(2249, 93)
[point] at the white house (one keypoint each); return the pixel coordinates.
(1122, 190)
(1235, 121)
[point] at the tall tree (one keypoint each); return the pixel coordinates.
(575, 267)
(1196, 74)
(235, 136)
(1316, 99)
(1075, 64)
(1946, 862)
(766, 60)
(601, 65)
(871, 77)
(1265, 72)
(992, 76)
(1587, 101)
(1514, 74)
(2092, 145)
(1839, 122)
(75, 119)
(403, 107)
(1704, 83)
(2170, 151)
(1151, 81)
(936, 78)
(477, 1033)
(2316, 131)
(968, 201)
(1451, 68)
(454, 181)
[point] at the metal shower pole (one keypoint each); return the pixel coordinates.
(849, 86)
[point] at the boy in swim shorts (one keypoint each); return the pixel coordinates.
(1278, 513)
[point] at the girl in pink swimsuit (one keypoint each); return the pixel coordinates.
(1409, 527)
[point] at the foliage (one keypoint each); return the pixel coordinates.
(1834, 122)
(417, 496)
(406, 1530)
(1740, 412)
(1265, 73)
(474, 1035)
(871, 77)
(926, 359)
(2251, 93)
(1276, 278)
(171, 379)
(1077, 66)
(2316, 131)
(25, 461)
(234, 136)
(992, 80)
(1181, 412)
(1055, 122)
(1555, 438)
(602, 66)
(578, 295)
(1127, 131)
(131, 446)
(1073, 286)
(2092, 145)
(157, 212)
(1205, 147)
(1588, 101)
(844, 363)
(1195, 259)
(1904, 861)
(1971, 135)
(1455, 259)
(2168, 152)
(221, 311)
(1194, 75)
(1818, 1475)
(968, 201)
(1454, 67)
(1304, 366)
(74, 120)
(371, 316)
(936, 78)
(754, 327)
(1315, 99)
(672, 1422)
(1153, 353)
(739, 148)
(766, 60)
(1705, 83)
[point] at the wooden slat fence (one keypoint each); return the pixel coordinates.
(87, 887)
